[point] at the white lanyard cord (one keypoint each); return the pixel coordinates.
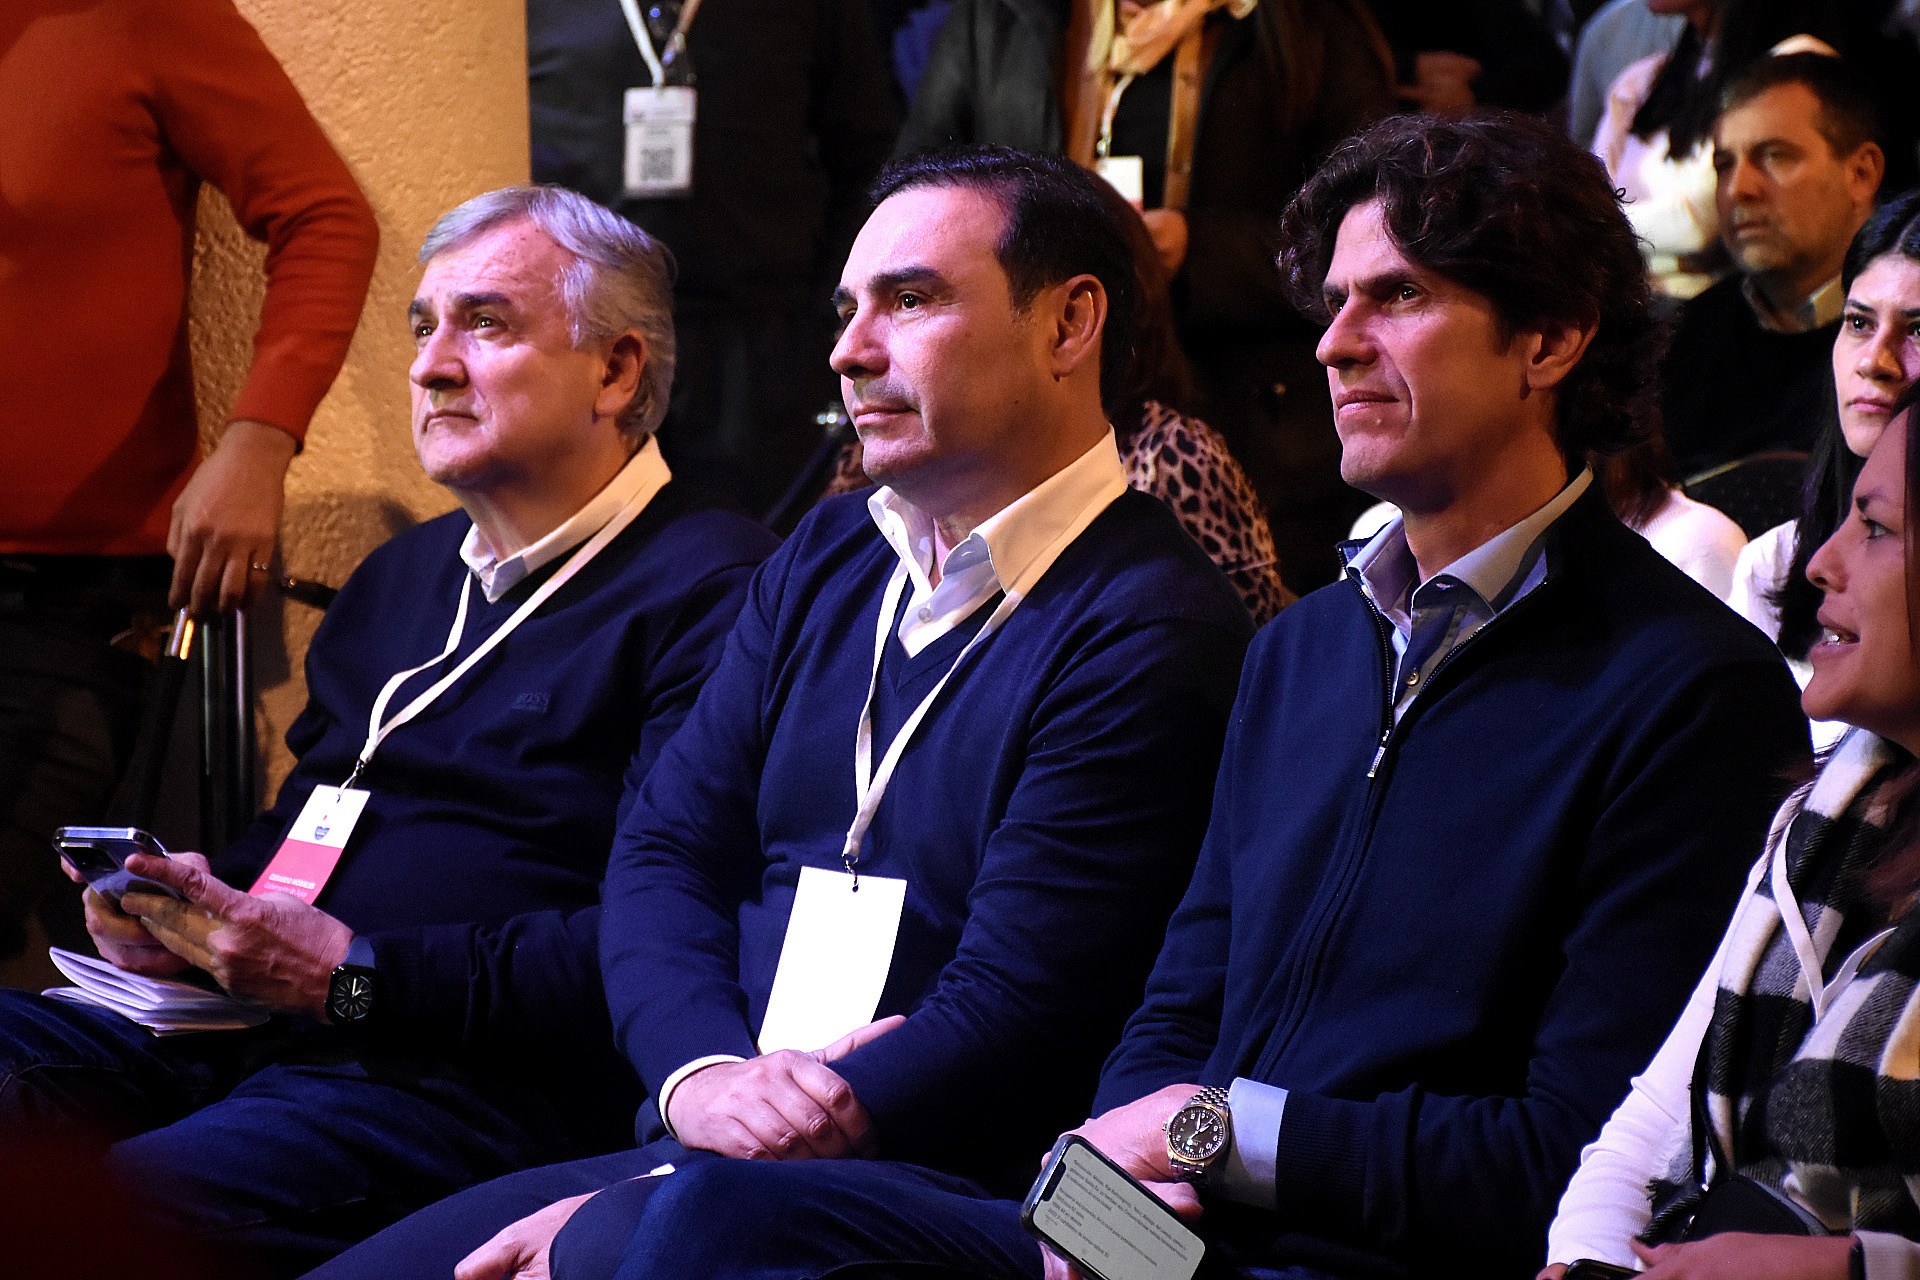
(377, 732)
(871, 785)
(641, 37)
(1820, 994)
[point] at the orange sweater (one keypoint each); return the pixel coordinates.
(111, 114)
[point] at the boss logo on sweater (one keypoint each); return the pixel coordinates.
(532, 702)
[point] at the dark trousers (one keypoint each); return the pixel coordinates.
(432, 1241)
(723, 1217)
(814, 1218)
(69, 708)
(279, 1145)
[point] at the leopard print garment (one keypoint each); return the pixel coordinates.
(1184, 463)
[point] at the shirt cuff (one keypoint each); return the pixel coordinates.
(1886, 1256)
(1246, 1174)
(672, 1082)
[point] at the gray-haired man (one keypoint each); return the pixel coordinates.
(482, 689)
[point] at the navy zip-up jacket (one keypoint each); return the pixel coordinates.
(1455, 964)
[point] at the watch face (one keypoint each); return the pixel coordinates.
(1197, 1132)
(352, 997)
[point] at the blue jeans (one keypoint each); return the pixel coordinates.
(282, 1145)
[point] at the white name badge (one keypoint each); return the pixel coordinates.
(1128, 176)
(314, 843)
(659, 159)
(834, 962)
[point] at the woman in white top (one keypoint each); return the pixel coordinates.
(1806, 1028)
(1876, 357)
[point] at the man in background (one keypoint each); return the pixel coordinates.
(1750, 369)
(793, 113)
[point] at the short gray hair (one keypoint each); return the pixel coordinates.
(620, 278)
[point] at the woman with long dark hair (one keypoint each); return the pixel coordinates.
(1876, 357)
(1774, 1133)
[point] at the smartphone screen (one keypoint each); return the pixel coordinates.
(1102, 1220)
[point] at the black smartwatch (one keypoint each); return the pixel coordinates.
(353, 992)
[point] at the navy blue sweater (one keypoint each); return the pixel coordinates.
(1045, 819)
(1456, 965)
(476, 867)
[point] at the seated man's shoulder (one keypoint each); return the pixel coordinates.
(704, 539)
(1650, 612)
(1138, 558)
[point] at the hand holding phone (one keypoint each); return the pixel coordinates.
(100, 855)
(1100, 1218)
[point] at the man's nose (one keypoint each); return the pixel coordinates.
(858, 353)
(1346, 342)
(436, 363)
(1744, 181)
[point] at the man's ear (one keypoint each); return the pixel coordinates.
(1865, 168)
(1076, 318)
(620, 375)
(1555, 348)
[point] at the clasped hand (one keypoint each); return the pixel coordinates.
(272, 950)
(785, 1105)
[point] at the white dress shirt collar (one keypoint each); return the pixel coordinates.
(1822, 307)
(1390, 574)
(644, 476)
(1008, 551)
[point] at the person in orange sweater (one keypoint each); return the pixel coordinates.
(112, 113)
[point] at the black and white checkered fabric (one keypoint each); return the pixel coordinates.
(1826, 1111)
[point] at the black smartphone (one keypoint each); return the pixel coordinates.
(1097, 1216)
(1588, 1269)
(100, 854)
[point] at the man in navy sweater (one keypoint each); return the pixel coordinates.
(1482, 807)
(440, 1014)
(994, 691)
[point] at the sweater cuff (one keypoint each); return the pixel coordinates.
(1320, 1166)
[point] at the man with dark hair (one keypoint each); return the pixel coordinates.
(1798, 156)
(428, 950)
(1476, 798)
(1033, 734)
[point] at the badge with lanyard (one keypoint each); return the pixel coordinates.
(659, 118)
(315, 842)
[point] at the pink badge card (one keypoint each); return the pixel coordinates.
(314, 844)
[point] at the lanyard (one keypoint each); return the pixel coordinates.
(871, 785)
(1819, 993)
(655, 67)
(377, 732)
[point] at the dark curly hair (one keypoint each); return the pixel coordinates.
(1508, 207)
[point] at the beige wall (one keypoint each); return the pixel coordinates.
(427, 108)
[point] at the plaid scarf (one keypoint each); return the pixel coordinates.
(1827, 1111)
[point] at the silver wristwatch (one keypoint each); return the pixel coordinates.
(1198, 1133)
